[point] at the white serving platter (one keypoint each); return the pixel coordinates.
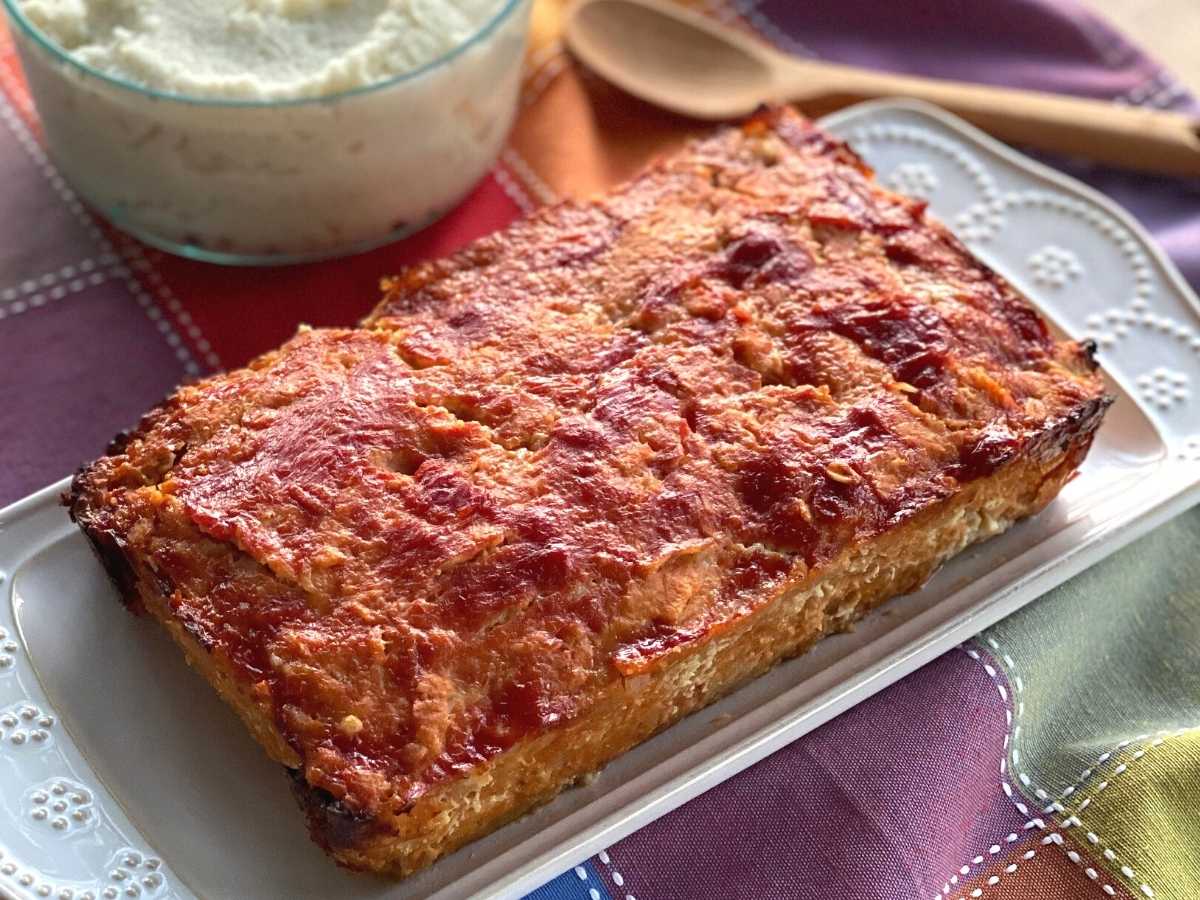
(122, 775)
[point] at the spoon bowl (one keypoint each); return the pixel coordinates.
(651, 53)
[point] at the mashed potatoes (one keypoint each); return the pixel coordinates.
(263, 150)
(258, 49)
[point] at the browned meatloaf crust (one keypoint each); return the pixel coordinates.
(584, 477)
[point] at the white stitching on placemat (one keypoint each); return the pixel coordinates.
(1023, 777)
(1159, 737)
(1008, 737)
(1112, 49)
(137, 258)
(1013, 722)
(1073, 820)
(1171, 91)
(70, 272)
(1108, 854)
(617, 878)
(143, 299)
(1041, 794)
(544, 78)
(515, 192)
(36, 152)
(68, 196)
(964, 870)
(1160, 90)
(1138, 93)
(582, 874)
(528, 176)
(35, 293)
(996, 879)
(541, 57)
(1018, 712)
(31, 146)
(1089, 871)
(1053, 838)
(1056, 806)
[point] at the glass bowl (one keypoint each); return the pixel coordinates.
(279, 181)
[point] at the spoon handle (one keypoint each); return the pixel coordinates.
(1124, 136)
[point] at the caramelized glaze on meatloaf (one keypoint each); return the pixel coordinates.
(626, 452)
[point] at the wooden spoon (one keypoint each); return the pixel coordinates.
(690, 64)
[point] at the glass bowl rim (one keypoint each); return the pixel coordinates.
(58, 53)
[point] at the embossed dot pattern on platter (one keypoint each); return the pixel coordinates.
(63, 806)
(1054, 267)
(1163, 387)
(915, 179)
(25, 724)
(920, 138)
(8, 651)
(132, 874)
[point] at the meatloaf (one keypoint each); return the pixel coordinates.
(584, 477)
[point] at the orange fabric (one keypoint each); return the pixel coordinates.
(558, 146)
(1059, 870)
